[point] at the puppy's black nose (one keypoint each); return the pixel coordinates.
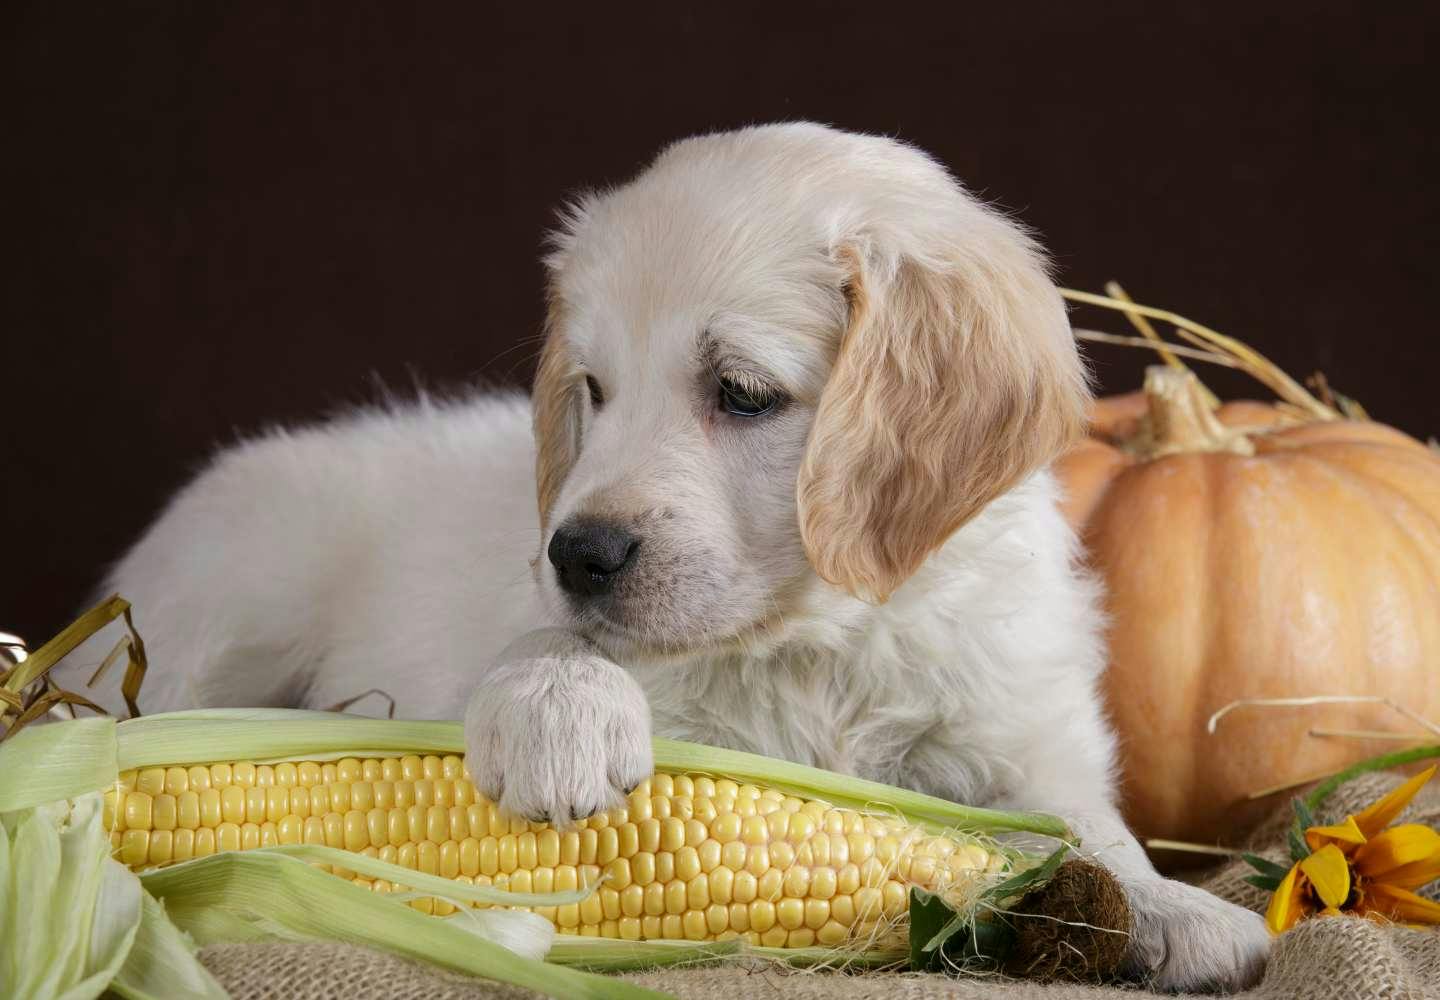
(589, 558)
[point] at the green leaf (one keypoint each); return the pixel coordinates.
(1266, 882)
(1266, 867)
(988, 939)
(1299, 850)
(1303, 816)
(942, 937)
(931, 924)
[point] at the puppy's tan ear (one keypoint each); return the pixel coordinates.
(556, 404)
(556, 393)
(957, 376)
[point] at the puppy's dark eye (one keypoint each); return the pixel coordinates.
(743, 401)
(597, 395)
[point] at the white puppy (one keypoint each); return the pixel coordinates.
(792, 418)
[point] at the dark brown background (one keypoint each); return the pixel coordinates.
(219, 216)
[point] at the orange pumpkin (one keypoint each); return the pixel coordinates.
(1249, 554)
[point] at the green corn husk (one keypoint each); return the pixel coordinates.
(273, 892)
(74, 921)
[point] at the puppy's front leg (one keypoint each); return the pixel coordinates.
(557, 731)
(1184, 938)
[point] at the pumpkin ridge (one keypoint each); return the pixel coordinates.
(1384, 499)
(1348, 433)
(1203, 690)
(1378, 486)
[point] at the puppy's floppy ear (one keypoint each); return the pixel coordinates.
(555, 396)
(957, 376)
(556, 404)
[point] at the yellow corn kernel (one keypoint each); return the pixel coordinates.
(790, 913)
(187, 810)
(632, 900)
(722, 884)
(687, 863)
(183, 845)
(227, 837)
(732, 855)
(205, 842)
(803, 937)
(772, 885)
(450, 859)
(289, 830)
(232, 804)
(164, 812)
(135, 848)
(139, 810)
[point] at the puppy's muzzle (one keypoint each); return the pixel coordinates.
(590, 557)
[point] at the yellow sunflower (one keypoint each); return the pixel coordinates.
(1358, 866)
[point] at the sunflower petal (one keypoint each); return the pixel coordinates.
(1348, 833)
(1329, 872)
(1400, 904)
(1287, 905)
(1415, 874)
(1378, 814)
(1395, 848)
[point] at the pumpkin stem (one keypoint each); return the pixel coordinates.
(1181, 419)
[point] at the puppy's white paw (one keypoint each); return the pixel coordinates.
(1186, 939)
(557, 732)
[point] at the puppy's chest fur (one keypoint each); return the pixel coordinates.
(877, 707)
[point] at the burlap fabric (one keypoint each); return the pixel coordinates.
(1327, 959)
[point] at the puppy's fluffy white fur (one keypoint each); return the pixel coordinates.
(873, 577)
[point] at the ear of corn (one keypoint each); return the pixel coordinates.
(687, 857)
(228, 815)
